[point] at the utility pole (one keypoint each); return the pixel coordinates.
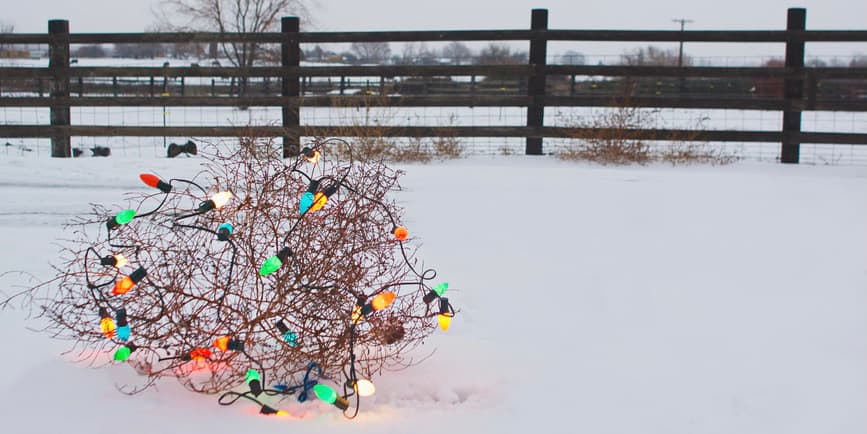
(682, 22)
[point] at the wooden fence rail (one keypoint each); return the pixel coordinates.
(535, 85)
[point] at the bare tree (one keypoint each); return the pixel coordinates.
(501, 54)
(457, 51)
(232, 16)
(371, 52)
(653, 56)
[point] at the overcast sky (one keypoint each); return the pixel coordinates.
(31, 16)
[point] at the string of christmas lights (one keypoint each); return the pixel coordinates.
(273, 271)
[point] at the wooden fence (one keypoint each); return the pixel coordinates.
(794, 88)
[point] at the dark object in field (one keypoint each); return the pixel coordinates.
(189, 148)
(100, 151)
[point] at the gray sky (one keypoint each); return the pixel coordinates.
(31, 16)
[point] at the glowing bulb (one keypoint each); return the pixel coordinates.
(383, 300)
(107, 326)
(311, 155)
(365, 388)
(268, 410)
(305, 202)
(319, 200)
(117, 261)
(325, 393)
(124, 285)
(445, 316)
(289, 336)
(273, 263)
(122, 353)
(155, 182)
(200, 354)
(356, 314)
(222, 343)
(401, 233)
(216, 201)
(121, 218)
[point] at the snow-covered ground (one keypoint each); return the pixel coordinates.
(593, 300)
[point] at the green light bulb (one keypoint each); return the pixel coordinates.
(441, 288)
(122, 354)
(270, 265)
(252, 374)
(124, 216)
(325, 393)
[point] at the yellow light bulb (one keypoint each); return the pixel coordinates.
(365, 388)
(319, 200)
(221, 199)
(121, 261)
(445, 320)
(356, 314)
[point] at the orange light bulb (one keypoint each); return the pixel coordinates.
(200, 354)
(123, 286)
(149, 179)
(222, 343)
(383, 300)
(401, 233)
(319, 200)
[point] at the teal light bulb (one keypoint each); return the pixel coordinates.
(325, 393)
(305, 203)
(291, 338)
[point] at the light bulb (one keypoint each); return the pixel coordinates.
(365, 388)
(305, 202)
(121, 218)
(124, 285)
(383, 300)
(122, 353)
(216, 201)
(117, 261)
(319, 200)
(198, 354)
(155, 182)
(106, 324)
(273, 263)
(400, 232)
(226, 343)
(289, 336)
(445, 316)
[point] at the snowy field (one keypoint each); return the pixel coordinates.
(593, 300)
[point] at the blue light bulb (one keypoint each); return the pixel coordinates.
(291, 338)
(123, 333)
(306, 202)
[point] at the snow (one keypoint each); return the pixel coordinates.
(592, 299)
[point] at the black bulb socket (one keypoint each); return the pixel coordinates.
(314, 184)
(331, 189)
(281, 327)
(120, 317)
(137, 275)
(255, 387)
(445, 309)
(111, 224)
(367, 309)
(308, 152)
(284, 254)
(103, 313)
(223, 234)
(341, 403)
(430, 296)
(235, 345)
(207, 205)
(109, 260)
(267, 409)
(164, 186)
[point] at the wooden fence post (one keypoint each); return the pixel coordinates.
(58, 66)
(794, 87)
(290, 58)
(536, 82)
